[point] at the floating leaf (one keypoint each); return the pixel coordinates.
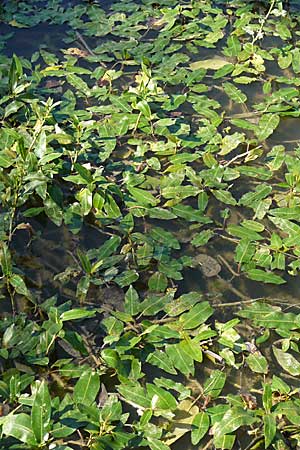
(265, 277)
(213, 64)
(257, 363)
(233, 419)
(234, 93)
(287, 361)
(196, 316)
(161, 360)
(266, 126)
(200, 427)
(158, 282)
(214, 384)
(132, 304)
(231, 142)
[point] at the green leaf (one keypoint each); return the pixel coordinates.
(132, 303)
(200, 427)
(244, 233)
(214, 384)
(213, 64)
(196, 316)
(233, 419)
(126, 278)
(296, 59)
(292, 213)
(287, 361)
(85, 197)
(78, 83)
(234, 93)
(142, 196)
(12, 108)
(202, 238)
(19, 427)
(84, 172)
(135, 395)
(144, 108)
(225, 197)
(40, 148)
(190, 214)
(257, 363)
(160, 398)
(19, 285)
(267, 397)
(158, 282)
(74, 314)
(161, 360)
(160, 213)
(231, 142)
(41, 412)
(252, 198)
(180, 359)
(109, 247)
(224, 442)
(265, 277)
(269, 316)
(192, 348)
(87, 388)
(233, 46)
(156, 444)
(266, 125)
(85, 262)
(269, 429)
(5, 259)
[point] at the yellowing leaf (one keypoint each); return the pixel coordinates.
(212, 63)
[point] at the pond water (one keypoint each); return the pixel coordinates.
(81, 42)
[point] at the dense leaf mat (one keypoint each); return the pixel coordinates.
(150, 209)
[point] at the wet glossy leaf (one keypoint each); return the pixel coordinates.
(202, 238)
(287, 361)
(267, 397)
(225, 197)
(160, 398)
(143, 197)
(19, 285)
(213, 64)
(257, 363)
(231, 142)
(126, 278)
(19, 427)
(233, 419)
